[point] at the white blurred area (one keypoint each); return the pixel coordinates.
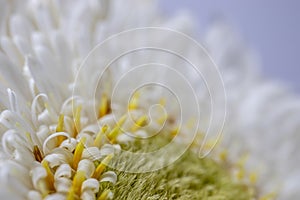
(269, 27)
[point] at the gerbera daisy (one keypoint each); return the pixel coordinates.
(96, 106)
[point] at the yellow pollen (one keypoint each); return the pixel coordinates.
(50, 177)
(133, 103)
(37, 153)
(104, 106)
(104, 195)
(78, 153)
(77, 124)
(101, 167)
(60, 128)
(97, 141)
(142, 121)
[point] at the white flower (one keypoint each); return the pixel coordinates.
(54, 145)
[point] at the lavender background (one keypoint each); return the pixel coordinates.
(270, 27)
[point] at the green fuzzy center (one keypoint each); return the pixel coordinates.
(188, 178)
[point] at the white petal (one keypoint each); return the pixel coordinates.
(63, 184)
(63, 170)
(91, 129)
(22, 45)
(11, 172)
(12, 100)
(125, 138)
(109, 149)
(56, 196)
(87, 166)
(42, 133)
(92, 153)
(34, 195)
(38, 173)
(11, 51)
(55, 160)
(69, 144)
(53, 135)
(90, 184)
(20, 26)
(88, 195)
(109, 176)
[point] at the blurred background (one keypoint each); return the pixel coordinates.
(270, 27)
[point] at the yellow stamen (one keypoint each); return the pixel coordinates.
(240, 174)
(60, 128)
(112, 135)
(60, 124)
(253, 178)
(37, 153)
(223, 155)
(78, 153)
(97, 141)
(71, 194)
(191, 123)
(174, 131)
(104, 195)
(18, 125)
(76, 185)
(77, 124)
(101, 167)
(209, 144)
(29, 137)
(241, 167)
(162, 119)
(50, 177)
(121, 120)
(164, 116)
(162, 101)
(142, 121)
(133, 103)
(104, 106)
